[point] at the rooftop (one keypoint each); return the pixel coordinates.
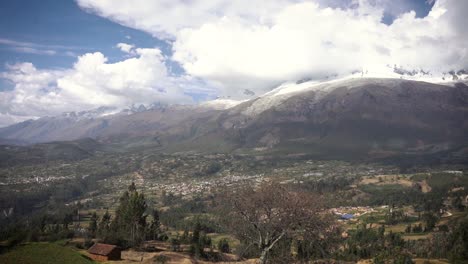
(101, 249)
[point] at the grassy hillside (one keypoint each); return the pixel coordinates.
(43, 253)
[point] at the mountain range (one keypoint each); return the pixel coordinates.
(354, 117)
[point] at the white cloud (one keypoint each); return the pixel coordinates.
(253, 45)
(127, 48)
(306, 40)
(34, 51)
(141, 79)
(40, 49)
(33, 94)
(165, 18)
(92, 82)
(8, 119)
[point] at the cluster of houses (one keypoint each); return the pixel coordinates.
(203, 186)
(32, 179)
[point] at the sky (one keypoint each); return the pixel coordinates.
(62, 55)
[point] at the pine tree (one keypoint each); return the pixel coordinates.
(196, 233)
(67, 220)
(197, 246)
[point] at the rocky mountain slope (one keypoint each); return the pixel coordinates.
(377, 116)
(133, 122)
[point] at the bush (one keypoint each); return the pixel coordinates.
(196, 250)
(163, 237)
(88, 243)
(223, 245)
(175, 244)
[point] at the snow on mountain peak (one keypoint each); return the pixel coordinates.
(93, 113)
(289, 89)
(220, 104)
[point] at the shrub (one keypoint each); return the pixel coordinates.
(223, 245)
(175, 244)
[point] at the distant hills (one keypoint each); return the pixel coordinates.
(360, 117)
(44, 152)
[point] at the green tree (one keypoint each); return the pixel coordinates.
(408, 229)
(92, 229)
(196, 232)
(459, 243)
(430, 220)
(175, 244)
(155, 226)
(104, 226)
(130, 218)
(457, 203)
(67, 220)
(197, 245)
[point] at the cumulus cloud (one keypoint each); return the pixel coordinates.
(34, 93)
(141, 79)
(92, 82)
(165, 18)
(238, 45)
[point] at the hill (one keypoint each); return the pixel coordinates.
(40, 153)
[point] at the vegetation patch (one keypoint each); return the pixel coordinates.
(43, 253)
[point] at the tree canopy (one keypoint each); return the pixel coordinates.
(273, 213)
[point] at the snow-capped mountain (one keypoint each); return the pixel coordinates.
(93, 113)
(350, 116)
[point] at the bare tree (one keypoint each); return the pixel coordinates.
(271, 213)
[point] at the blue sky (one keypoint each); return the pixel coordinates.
(61, 26)
(421, 7)
(63, 55)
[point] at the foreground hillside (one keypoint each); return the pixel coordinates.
(43, 253)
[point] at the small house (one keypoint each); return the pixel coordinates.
(104, 252)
